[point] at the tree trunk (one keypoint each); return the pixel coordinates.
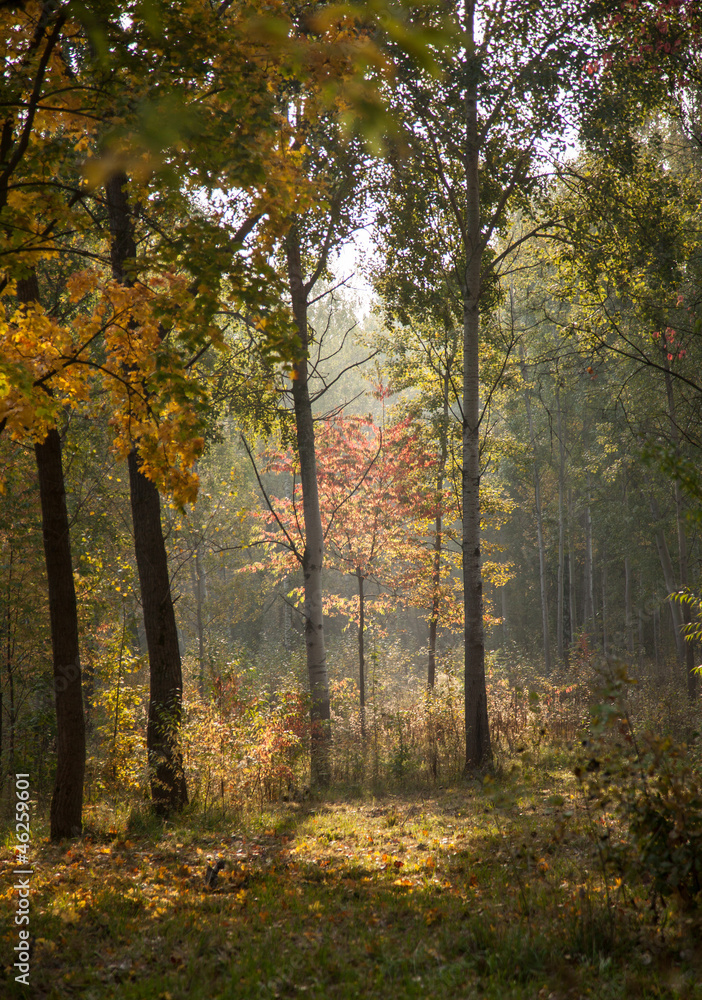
(200, 594)
(628, 614)
(67, 799)
(314, 538)
(168, 787)
(560, 644)
(361, 638)
(361, 652)
(588, 569)
(605, 641)
(476, 717)
(657, 637)
(642, 644)
(572, 607)
(66, 816)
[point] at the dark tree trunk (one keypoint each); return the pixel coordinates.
(560, 597)
(605, 639)
(168, 788)
(67, 799)
(588, 570)
(66, 817)
(476, 717)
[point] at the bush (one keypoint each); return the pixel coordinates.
(663, 807)
(240, 746)
(649, 791)
(416, 735)
(117, 761)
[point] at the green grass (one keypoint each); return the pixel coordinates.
(488, 891)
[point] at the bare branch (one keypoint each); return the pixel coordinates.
(293, 548)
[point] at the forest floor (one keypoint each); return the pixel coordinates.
(481, 890)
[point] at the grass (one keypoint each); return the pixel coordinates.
(481, 890)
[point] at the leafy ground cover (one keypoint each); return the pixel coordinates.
(490, 889)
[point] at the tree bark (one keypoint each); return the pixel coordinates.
(605, 638)
(628, 614)
(66, 815)
(572, 606)
(361, 641)
(199, 586)
(168, 787)
(588, 569)
(67, 798)
(478, 749)
(628, 642)
(641, 622)
(313, 555)
(560, 644)
(361, 651)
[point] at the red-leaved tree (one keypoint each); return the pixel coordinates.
(376, 502)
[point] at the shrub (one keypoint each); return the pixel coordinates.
(117, 762)
(240, 746)
(663, 807)
(649, 791)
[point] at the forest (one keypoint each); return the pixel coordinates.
(350, 499)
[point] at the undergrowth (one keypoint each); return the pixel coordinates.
(571, 870)
(483, 889)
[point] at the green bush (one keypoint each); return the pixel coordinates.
(648, 790)
(662, 805)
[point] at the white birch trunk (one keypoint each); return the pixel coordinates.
(313, 555)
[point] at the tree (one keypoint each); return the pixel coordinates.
(135, 322)
(633, 253)
(423, 364)
(335, 164)
(372, 501)
(475, 145)
(24, 617)
(168, 787)
(67, 798)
